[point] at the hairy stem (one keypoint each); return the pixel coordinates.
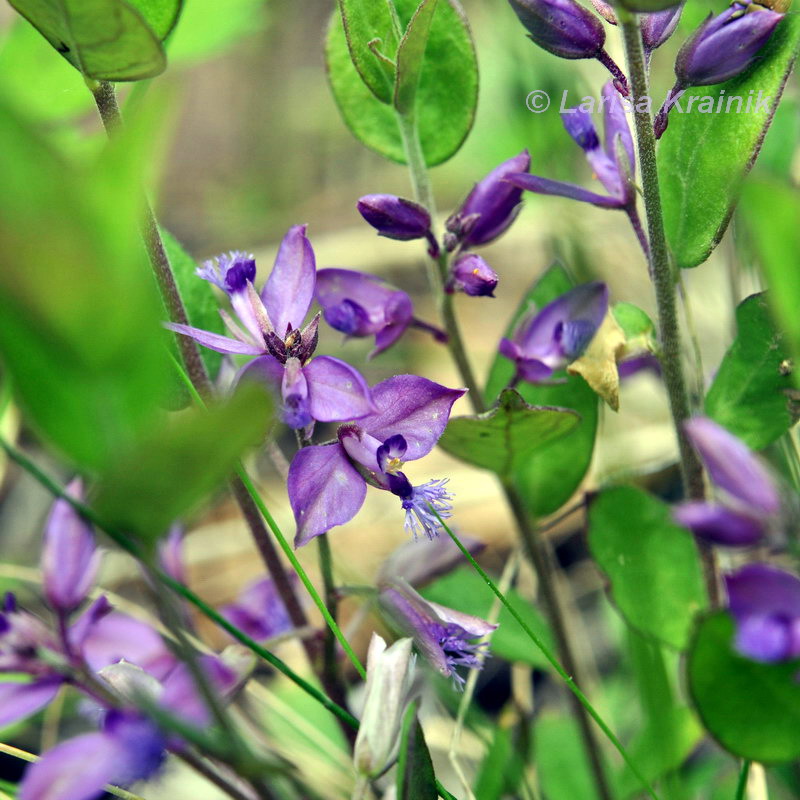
(106, 101)
(664, 283)
(535, 549)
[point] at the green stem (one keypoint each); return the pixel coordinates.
(664, 283)
(741, 786)
(534, 547)
(563, 673)
(107, 106)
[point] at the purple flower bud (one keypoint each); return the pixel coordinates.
(69, 556)
(473, 276)
(734, 468)
(659, 26)
(605, 10)
(725, 45)
(492, 205)
(421, 562)
(765, 603)
(395, 217)
(444, 637)
(562, 27)
(719, 525)
(170, 554)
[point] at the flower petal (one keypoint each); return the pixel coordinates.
(719, 524)
(533, 183)
(290, 287)
(415, 408)
(20, 700)
(77, 769)
(325, 490)
(337, 392)
(733, 466)
(213, 341)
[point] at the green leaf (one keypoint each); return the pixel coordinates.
(104, 39)
(160, 15)
(198, 297)
(171, 469)
(415, 777)
(749, 393)
(703, 157)
(464, 590)
(411, 57)
(550, 477)
(751, 709)
(81, 334)
(652, 563)
(372, 43)
(502, 767)
(564, 770)
(446, 97)
(770, 211)
(504, 438)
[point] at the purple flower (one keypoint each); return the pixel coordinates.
(324, 389)
(749, 501)
(395, 217)
(327, 483)
(358, 304)
(490, 208)
(725, 45)
(765, 603)
(473, 276)
(69, 557)
(127, 749)
(659, 26)
(568, 30)
(721, 48)
(170, 554)
(444, 637)
(613, 163)
(259, 611)
(546, 341)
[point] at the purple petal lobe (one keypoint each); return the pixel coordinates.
(533, 183)
(266, 369)
(20, 700)
(733, 466)
(69, 556)
(765, 602)
(325, 490)
(213, 341)
(259, 611)
(615, 124)
(415, 408)
(336, 391)
(718, 524)
(296, 411)
(290, 287)
(77, 769)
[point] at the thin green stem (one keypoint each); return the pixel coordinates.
(536, 551)
(741, 786)
(546, 652)
(664, 282)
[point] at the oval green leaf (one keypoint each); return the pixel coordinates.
(751, 709)
(703, 157)
(104, 39)
(416, 779)
(446, 97)
(652, 563)
(751, 393)
(548, 478)
(504, 438)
